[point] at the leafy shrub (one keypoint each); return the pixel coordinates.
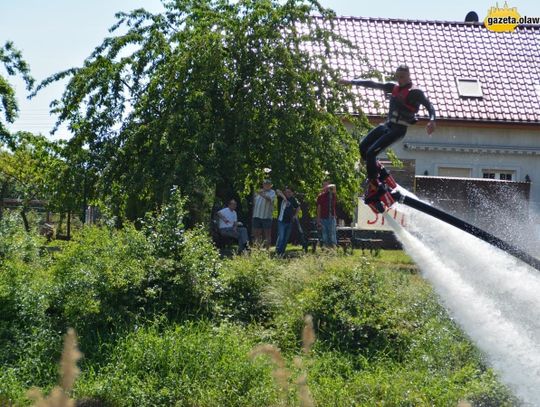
(245, 281)
(107, 277)
(187, 284)
(28, 344)
(355, 308)
(98, 278)
(15, 243)
(165, 228)
(183, 277)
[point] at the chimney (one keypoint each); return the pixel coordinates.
(471, 17)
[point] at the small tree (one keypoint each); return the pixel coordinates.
(30, 169)
(13, 63)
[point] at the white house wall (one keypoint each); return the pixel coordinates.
(475, 148)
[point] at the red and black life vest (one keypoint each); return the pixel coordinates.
(401, 94)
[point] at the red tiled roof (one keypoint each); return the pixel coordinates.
(437, 52)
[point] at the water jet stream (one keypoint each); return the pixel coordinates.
(492, 296)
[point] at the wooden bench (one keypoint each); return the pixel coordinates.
(221, 242)
(313, 241)
(370, 244)
(346, 244)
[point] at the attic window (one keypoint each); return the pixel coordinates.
(469, 87)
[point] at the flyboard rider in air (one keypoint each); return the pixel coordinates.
(381, 192)
(405, 100)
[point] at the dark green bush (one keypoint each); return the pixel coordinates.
(106, 277)
(187, 284)
(356, 309)
(165, 228)
(245, 281)
(98, 278)
(183, 278)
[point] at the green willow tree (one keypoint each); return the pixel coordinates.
(205, 96)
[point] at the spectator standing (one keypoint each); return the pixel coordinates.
(326, 215)
(230, 227)
(263, 208)
(288, 210)
(325, 185)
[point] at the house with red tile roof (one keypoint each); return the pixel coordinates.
(484, 85)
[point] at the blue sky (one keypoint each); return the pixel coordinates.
(58, 34)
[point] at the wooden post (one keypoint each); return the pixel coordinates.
(69, 225)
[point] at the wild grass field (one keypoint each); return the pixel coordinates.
(163, 320)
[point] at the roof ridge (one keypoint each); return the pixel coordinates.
(404, 20)
(418, 21)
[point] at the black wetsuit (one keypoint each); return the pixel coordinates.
(400, 116)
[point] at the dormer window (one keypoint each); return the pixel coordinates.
(469, 87)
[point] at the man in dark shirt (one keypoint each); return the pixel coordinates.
(405, 100)
(288, 210)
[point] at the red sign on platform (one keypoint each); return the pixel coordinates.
(368, 220)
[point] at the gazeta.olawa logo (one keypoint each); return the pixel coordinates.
(506, 19)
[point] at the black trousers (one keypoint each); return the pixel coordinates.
(377, 140)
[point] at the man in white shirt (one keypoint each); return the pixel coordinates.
(263, 208)
(229, 227)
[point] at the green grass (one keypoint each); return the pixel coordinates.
(200, 363)
(179, 330)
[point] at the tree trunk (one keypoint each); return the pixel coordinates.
(2, 194)
(60, 228)
(68, 236)
(25, 220)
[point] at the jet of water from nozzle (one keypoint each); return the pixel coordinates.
(485, 303)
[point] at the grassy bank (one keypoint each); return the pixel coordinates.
(165, 321)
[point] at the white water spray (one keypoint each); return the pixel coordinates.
(492, 296)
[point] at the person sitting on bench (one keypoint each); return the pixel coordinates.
(230, 227)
